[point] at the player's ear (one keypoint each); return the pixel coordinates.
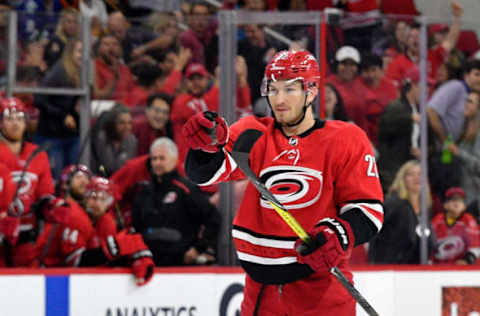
(312, 92)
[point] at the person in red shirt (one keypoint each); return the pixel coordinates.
(203, 95)
(457, 232)
(33, 181)
(437, 55)
(113, 79)
(350, 86)
(380, 92)
(155, 123)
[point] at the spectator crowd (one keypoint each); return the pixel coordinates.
(152, 71)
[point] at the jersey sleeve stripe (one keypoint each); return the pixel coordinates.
(475, 251)
(73, 259)
(227, 167)
(264, 242)
(373, 211)
(265, 261)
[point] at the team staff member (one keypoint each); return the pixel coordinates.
(324, 172)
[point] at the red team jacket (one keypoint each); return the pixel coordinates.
(455, 240)
(327, 171)
(69, 241)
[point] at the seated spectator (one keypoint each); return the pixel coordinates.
(155, 123)
(349, 84)
(175, 218)
(113, 142)
(437, 55)
(59, 114)
(457, 232)
(398, 241)
(90, 236)
(201, 96)
(446, 115)
(399, 130)
(113, 79)
(67, 29)
(334, 109)
(135, 41)
(380, 92)
(200, 33)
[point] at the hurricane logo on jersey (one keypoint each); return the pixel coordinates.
(27, 181)
(450, 248)
(294, 187)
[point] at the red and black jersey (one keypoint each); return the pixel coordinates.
(37, 181)
(7, 188)
(328, 171)
(456, 240)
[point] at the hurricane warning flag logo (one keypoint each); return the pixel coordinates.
(294, 187)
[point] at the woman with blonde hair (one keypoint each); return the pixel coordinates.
(399, 242)
(59, 117)
(67, 29)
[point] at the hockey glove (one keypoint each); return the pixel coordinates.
(10, 228)
(206, 131)
(332, 242)
(142, 267)
(123, 244)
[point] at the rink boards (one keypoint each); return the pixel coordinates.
(217, 291)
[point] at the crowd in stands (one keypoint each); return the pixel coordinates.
(133, 206)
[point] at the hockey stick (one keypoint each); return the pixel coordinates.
(240, 153)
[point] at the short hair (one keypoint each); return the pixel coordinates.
(168, 143)
(163, 96)
(146, 74)
(371, 60)
(471, 65)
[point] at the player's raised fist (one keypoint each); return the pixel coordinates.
(206, 131)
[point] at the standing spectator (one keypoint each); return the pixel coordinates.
(349, 84)
(467, 151)
(457, 232)
(334, 109)
(113, 79)
(59, 115)
(173, 205)
(113, 142)
(257, 50)
(437, 55)
(380, 92)
(201, 31)
(67, 29)
(446, 115)
(398, 241)
(97, 12)
(36, 184)
(202, 95)
(399, 130)
(136, 41)
(155, 123)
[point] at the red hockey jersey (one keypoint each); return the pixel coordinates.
(37, 181)
(327, 171)
(7, 188)
(454, 241)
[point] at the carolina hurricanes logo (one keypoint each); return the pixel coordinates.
(295, 187)
(450, 247)
(197, 105)
(27, 182)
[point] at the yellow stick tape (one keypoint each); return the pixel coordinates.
(292, 222)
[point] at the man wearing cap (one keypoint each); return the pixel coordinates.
(349, 84)
(457, 232)
(202, 95)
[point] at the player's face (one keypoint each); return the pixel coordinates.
(162, 161)
(413, 179)
(98, 203)
(454, 207)
(14, 125)
(158, 114)
(79, 183)
(287, 100)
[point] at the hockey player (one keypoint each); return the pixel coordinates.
(36, 183)
(9, 225)
(73, 182)
(324, 173)
(90, 238)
